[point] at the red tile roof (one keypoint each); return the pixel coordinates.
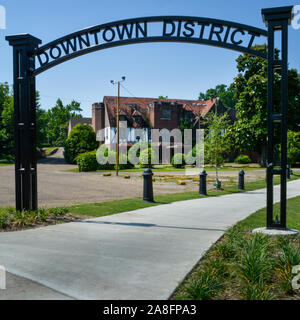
(202, 106)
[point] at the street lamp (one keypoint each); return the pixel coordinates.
(118, 106)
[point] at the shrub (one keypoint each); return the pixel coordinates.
(203, 287)
(255, 268)
(128, 165)
(178, 160)
(190, 155)
(23, 218)
(225, 250)
(87, 161)
(196, 150)
(289, 256)
(243, 159)
(10, 218)
(82, 139)
(258, 291)
(111, 160)
(135, 151)
(4, 220)
(106, 159)
(255, 264)
(145, 158)
(293, 147)
(57, 211)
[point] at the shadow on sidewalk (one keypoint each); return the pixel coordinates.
(146, 225)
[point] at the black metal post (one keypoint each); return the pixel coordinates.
(202, 183)
(288, 171)
(277, 19)
(241, 184)
(148, 186)
(25, 120)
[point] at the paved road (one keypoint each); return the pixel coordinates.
(142, 254)
(59, 188)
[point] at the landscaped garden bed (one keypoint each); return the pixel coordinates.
(243, 265)
(12, 220)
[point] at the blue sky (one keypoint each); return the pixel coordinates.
(174, 69)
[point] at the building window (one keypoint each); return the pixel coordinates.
(165, 114)
(122, 118)
(138, 119)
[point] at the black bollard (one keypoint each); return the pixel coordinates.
(288, 171)
(241, 185)
(148, 186)
(202, 183)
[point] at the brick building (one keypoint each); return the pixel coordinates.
(146, 114)
(150, 113)
(74, 121)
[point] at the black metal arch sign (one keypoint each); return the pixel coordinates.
(213, 32)
(197, 30)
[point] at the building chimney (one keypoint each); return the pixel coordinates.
(98, 120)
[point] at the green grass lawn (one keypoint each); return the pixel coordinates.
(258, 218)
(118, 206)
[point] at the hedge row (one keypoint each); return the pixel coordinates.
(88, 162)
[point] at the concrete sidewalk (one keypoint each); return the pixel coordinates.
(142, 254)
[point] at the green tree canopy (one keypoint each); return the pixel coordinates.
(226, 94)
(250, 86)
(293, 147)
(52, 125)
(58, 118)
(6, 121)
(41, 123)
(82, 139)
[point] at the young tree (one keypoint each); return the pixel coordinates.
(216, 146)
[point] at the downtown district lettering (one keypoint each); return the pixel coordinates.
(152, 29)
